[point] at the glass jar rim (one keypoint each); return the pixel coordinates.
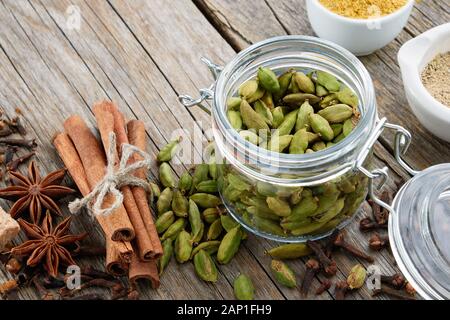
(290, 160)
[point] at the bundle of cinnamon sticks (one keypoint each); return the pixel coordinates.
(132, 243)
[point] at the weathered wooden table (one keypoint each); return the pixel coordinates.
(143, 54)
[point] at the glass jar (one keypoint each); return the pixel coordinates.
(295, 198)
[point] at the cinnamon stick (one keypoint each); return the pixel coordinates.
(116, 225)
(118, 253)
(72, 161)
(118, 257)
(143, 270)
(136, 136)
(105, 112)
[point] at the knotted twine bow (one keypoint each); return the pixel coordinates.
(114, 180)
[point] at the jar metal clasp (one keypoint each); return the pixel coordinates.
(402, 141)
(205, 93)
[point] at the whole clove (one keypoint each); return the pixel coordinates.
(341, 290)
(378, 242)
(16, 124)
(340, 242)
(384, 289)
(329, 245)
(397, 281)
(367, 224)
(13, 165)
(94, 273)
(53, 283)
(325, 285)
(328, 265)
(26, 143)
(42, 291)
(9, 154)
(312, 268)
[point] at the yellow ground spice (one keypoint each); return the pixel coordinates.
(363, 9)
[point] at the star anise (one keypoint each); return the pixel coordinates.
(35, 193)
(47, 243)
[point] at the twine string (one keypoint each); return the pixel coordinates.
(114, 180)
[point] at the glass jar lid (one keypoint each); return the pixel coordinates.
(419, 231)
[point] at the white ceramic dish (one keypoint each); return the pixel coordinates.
(360, 36)
(413, 57)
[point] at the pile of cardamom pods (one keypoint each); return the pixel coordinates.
(193, 224)
(294, 113)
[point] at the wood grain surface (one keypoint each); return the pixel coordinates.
(143, 54)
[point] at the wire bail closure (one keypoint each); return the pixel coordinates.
(401, 144)
(206, 94)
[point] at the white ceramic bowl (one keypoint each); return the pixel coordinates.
(360, 36)
(413, 57)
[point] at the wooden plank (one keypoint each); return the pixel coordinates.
(275, 18)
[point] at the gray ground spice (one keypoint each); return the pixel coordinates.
(436, 78)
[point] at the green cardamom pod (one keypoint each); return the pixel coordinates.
(337, 113)
(304, 83)
(248, 88)
(296, 196)
(313, 137)
(262, 213)
(299, 142)
(195, 221)
(268, 80)
(288, 124)
(180, 204)
(306, 207)
(201, 173)
(348, 96)
(185, 182)
(332, 212)
(164, 221)
(303, 116)
(174, 229)
(264, 111)
(268, 100)
(321, 91)
(183, 247)
(205, 267)
(164, 260)
(268, 226)
(320, 145)
(326, 202)
(214, 231)
(278, 206)
(329, 101)
(256, 96)
(208, 186)
(213, 167)
(166, 153)
(347, 128)
(251, 118)
(279, 143)
(234, 103)
(209, 247)
(164, 201)
(166, 176)
(283, 274)
(309, 151)
(284, 80)
(206, 200)
(339, 138)
(277, 116)
(229, 245)
(155, 191)
(210, 215)
(328, 81)
(243, 288)
(337, 128)
(235, 119)
(321, 126)
(250, 136)
(265, 189)
(228, 223)
(289, 251)
(238, 183)
(297, 99)
(357, 277)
